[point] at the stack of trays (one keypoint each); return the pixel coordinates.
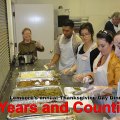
(38, 87)
(36, 84)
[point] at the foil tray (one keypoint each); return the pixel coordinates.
(36, 74)
(32, 82)
(43, 93)
(40, 116)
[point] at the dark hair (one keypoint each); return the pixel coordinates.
(69, 23)
(87, 26)
(107, 35)
(25, 30)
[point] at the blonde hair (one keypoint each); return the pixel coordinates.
(25, 29)
(116, 15)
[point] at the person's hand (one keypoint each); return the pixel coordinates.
(78, 78)
(113, 118)
(97, 90)
(38, 45)
(48, 64)
(67, 71)
(106, 91)
(87, 79)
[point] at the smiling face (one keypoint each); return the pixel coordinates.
(85, 36)
(104, 47)
(117, 45)
(27, 36)
(115, 20)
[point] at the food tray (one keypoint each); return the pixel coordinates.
(31, 82)
(36, 74)
(49, 92)
(47, 117)
(65, 117)
(39, 114)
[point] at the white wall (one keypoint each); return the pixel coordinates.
(97, 10)
(40, 19)
(10, 29)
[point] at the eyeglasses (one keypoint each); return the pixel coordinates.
(86, 34)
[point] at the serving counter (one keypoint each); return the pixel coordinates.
(65, 81)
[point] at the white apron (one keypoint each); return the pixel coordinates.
(83, 60)
(67, 57)
(100, 73)
(100, 79)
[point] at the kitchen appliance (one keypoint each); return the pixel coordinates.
(26, 59)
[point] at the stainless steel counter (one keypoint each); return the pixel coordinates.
(65, 82)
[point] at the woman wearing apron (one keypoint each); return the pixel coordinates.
(116, 91)
(106, 68)
(86, 52)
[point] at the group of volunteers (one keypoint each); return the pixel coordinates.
(97, 58)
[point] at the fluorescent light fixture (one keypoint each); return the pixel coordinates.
(36, 19)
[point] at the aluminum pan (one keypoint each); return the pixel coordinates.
(32, 82)
(46, 98)
(43, 116)
(36, 74)
(46, 117)
(65, 117)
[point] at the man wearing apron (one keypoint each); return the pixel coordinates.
(66, 46)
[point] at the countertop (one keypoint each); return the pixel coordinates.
(66, 81)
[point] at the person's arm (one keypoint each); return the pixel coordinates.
(113, 71)
(56, 56)
(93, 54)
(70, 70)
(21, 49)
(73, 68)
(55, 59)
(117, 73)
(39, 47)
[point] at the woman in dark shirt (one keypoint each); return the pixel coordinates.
(29, 46)
(113, 24)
